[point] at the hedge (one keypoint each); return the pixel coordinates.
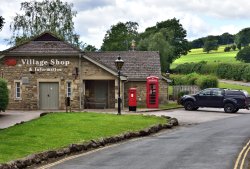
(4, 95)
(203, 81)
(231, 71)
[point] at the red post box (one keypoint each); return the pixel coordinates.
(132, 99)
(152, 88)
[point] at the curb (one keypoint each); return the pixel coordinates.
(45, 157)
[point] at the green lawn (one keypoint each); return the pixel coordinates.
(61, 129)
(234, 86)
(197, 55)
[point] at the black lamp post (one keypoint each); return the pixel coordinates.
(119, 63)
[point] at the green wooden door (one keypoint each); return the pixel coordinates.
(49, 95)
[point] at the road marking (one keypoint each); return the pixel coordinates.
(240, 155)
(243, 160)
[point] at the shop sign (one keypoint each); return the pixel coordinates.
(42, 65)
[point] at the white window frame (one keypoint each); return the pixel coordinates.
(69, 89)
(18, 95)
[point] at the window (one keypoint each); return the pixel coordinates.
(69, 90)
(18, 90)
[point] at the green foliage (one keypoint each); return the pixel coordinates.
(48, 15)
(203, 81)
(227, 49)
(120, 36)
(233, 47)
(242, 38)
(1, 22)
(207, 81)
(167, 37)
(90, 48)
(4, 95)
(58, 130)
(210, 44)
(246, 73)
(244, 55)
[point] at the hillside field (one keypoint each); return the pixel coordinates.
(197, 55)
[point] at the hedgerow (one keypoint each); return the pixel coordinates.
(4, 95)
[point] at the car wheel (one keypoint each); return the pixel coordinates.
(189, 105)
(195, 108)
(229, 108)
(235, 111)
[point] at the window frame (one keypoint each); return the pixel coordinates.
(18, 94)
(69, 88)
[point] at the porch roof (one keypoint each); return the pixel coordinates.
(138, 65)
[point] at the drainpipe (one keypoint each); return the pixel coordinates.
(80, 82)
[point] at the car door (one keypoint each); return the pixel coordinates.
(203, 98)
(216, 98)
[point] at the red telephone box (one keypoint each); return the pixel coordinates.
(132, 99)
(152, 92)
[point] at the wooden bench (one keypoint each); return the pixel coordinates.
(95, 103)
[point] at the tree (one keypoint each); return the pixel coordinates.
(226, 39)
(4, 95)
(169, 38)
(48, 15)
(210, 44)
(90, 48)
(242, 38)
(1, 22)
(120, 36)
(244, 55)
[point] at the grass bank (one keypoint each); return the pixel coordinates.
(58, 130)
(234, 86)
(197, 55)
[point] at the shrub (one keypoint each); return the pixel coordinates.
(203, 81)
(4, 95)
(243, 55)
(246, 73)
(227, 49)
(207, 82)
(233, 47)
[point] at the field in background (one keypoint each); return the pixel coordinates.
(197, 55)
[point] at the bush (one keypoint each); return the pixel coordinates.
(4, 95)
(227, 49)
(233, 47)
(243, 55)
(207, 82)
(203, 81)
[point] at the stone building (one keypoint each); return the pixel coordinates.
(42, 72)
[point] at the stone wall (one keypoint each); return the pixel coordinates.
(35, 70)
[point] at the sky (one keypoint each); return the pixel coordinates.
(199, 18)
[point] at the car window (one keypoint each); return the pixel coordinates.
(217, 92)
(206, 92)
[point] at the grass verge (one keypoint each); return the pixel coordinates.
(58, 130)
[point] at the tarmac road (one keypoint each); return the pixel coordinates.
(214, 143)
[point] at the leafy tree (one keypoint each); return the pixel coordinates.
(244, 55)
(210, 44)
(225, 39)
(1, 22)
(90, 48)
(4, 95)
(119, 37)
(48, 15)
(242, 38)
(169, 38)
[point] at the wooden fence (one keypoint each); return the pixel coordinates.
(184, 89)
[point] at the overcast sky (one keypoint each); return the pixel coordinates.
(94, 17)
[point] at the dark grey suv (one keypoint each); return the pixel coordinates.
(230, 100)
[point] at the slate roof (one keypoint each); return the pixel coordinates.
(137, 64)
(44, 44)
